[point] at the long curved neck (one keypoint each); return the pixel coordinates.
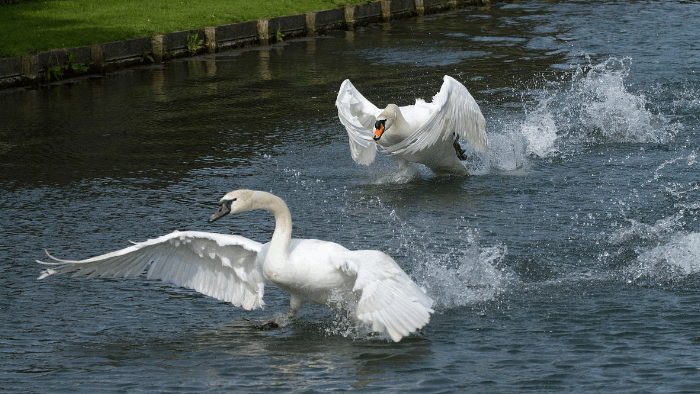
(282, 236)
(399, 128)
(399, 116)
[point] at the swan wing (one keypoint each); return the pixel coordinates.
(389, 301)
(358, 115)
(221, 266)
(453, 109)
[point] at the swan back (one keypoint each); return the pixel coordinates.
(417, 114)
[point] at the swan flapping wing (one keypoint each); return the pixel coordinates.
(390, 301)
(358, 115)
(221, 266)
(454, 110)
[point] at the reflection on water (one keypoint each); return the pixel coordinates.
(264, 65)
(157, 84)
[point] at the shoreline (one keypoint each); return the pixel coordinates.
(66, 63)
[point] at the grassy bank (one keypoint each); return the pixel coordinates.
(36, 26)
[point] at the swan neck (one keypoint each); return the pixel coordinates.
(399, 128)
(398, 116)
(282, 236)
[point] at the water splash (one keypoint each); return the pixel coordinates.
(348, 327)
(689, 160)
(589, 106)
(540, 130)
(478, 276)
(464, 275)
(674, 259)
(400, 176)
(643, 232)
(609, 112)
(507, 152)
(668, 249)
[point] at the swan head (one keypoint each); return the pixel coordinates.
(384, 121)
(234, 202)
(379, 127)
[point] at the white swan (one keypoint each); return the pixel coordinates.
(367, 284)
(425, 133)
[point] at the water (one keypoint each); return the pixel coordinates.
(570, 261)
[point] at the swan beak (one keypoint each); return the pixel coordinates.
(378, 129)
(223, 210)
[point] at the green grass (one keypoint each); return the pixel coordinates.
(36, 26)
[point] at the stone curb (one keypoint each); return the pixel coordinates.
(65, 63)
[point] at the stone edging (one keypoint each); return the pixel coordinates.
(65, 63)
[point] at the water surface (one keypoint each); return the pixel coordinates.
(569, 261)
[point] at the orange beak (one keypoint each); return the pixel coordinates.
(378, 132)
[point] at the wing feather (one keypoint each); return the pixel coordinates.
(389, 300)
(165, 268)
(221, 266)
(126, 265)
(454, 110)
(358, 115)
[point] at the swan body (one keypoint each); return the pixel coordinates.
(425, 133)
(367, 284)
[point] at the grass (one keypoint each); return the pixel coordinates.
(42, 25)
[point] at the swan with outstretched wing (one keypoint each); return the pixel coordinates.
(366, 284)
(426, 133)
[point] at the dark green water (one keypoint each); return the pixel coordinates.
(570, 261)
